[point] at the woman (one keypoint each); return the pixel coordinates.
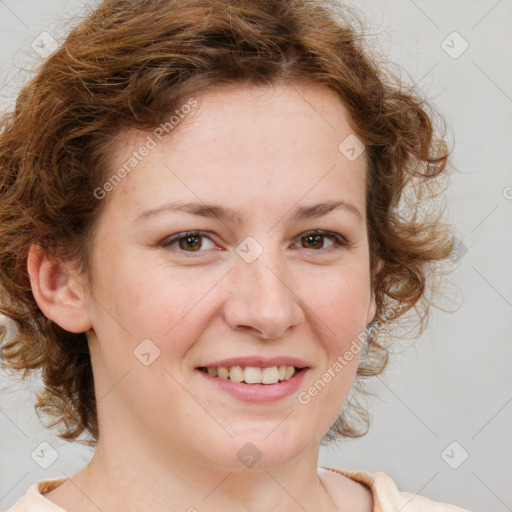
(202, 236)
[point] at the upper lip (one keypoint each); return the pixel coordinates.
(258, 361)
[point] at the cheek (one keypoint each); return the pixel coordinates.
(338, 316)
(168, 306)
(340, 301)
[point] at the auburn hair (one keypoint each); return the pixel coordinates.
(131, 63)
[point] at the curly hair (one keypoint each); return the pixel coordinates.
(128, 65)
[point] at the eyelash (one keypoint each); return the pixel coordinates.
(339, 241)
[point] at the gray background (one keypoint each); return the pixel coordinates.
(453, 385)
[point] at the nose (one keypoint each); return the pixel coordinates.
(262, 299)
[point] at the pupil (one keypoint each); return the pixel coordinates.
(189, 242)
(314, 239)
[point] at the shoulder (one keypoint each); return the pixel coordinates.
(34, 501)
(387, 497)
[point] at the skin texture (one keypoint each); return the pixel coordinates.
(168, 438)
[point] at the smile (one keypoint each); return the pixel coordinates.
(253, 383)
(252, 374)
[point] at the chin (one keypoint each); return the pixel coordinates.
(263, 451)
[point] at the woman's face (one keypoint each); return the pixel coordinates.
(246, 167)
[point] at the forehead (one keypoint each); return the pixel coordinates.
(245, 147)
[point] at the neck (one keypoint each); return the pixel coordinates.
(130, 477)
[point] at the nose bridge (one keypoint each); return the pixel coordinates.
(263, 297)
(267, 275)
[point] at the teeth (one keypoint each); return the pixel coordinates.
(212, 371)
(270, 375)
(223, 372)
(253, 374)
(289, 372)
(236, 373)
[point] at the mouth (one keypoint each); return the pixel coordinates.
(253, 374)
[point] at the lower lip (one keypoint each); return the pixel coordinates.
(261, 393)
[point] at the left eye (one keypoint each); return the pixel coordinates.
(315, 240)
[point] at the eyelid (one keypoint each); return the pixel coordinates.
(340, 241)
(166, 242)
(337, 237)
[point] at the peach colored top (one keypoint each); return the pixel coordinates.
(386, 496)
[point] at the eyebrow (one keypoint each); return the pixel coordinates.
(229, 215)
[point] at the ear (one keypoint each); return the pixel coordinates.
(372, 307)
(57, 291)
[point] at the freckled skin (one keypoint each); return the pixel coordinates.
(271, 153)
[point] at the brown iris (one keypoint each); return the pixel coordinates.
(317, 240)
(190, 242)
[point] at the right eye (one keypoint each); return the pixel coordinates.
(189, 241)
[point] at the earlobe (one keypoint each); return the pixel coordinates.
(372, 310)
(57, 291)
